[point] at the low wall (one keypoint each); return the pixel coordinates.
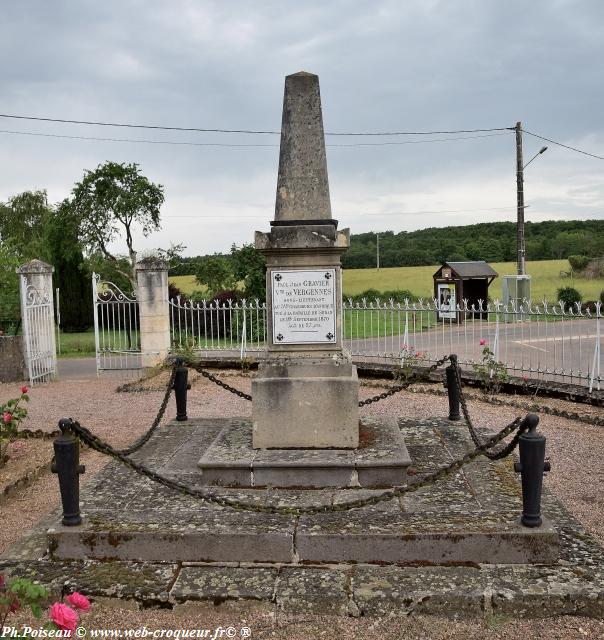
(12, 362)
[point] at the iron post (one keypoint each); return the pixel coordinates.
(532, 466)
(68, 469)
(453, 388)
(181, 387)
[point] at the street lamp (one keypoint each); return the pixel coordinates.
(542, 150)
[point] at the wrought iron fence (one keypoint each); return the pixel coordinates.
(210, 326)
(535, 341)
(546, 341)
(38, 332)
(116, 327)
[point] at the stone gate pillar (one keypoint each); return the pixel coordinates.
(154, 315)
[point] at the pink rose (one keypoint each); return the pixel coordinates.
(64, 617)
(525, 378)
(482, 342)
(7, 417)
(24, 389)
(78, 601)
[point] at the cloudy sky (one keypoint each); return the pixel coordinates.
(400, 65)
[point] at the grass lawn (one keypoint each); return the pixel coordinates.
(545, 274)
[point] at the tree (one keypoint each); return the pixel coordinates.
(216, 274)
(9, 285)
(249, 267)
(22, 222)
(113, 199)
(71, 275)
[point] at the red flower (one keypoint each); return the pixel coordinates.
(482, 342)
(24, 390)
(64, 617)
(78, 601)
(14, 605)
(1, 581)
(7, 417)
(525, 378)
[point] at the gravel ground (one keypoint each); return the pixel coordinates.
(577, 478)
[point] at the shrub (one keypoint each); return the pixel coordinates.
(569, 296)
(578, 263)
(602, 296)
(371, 295)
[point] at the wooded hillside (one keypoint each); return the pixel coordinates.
(491, 241)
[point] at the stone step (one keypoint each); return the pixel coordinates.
(366, 535)
(380, 461)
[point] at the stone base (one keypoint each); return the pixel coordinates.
(380, 461)
(319, 397)
(469, 517)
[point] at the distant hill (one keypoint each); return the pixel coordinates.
(490, 241)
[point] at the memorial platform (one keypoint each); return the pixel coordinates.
(470, 517)
(455, 548)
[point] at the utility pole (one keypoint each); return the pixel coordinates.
(520, 245)
(378, 251)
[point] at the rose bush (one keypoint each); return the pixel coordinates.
(12, 413)
(22, 592)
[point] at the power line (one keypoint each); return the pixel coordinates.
(566, 146)
(170, 142)
(250, 131)
(389, 213)
(223, 144)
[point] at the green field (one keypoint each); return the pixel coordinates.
(546, 279)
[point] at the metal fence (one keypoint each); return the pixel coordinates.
(535, 341)
(531, 340)
(211, 326)
(116, 327)
(38, 332)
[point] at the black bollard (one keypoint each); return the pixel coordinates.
(532, 465)
(181, 387)
(68, 468)
(453, 389)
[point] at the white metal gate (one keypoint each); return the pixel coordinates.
(38, 332)
(116, 327)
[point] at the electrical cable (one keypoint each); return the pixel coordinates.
(566, 146)
(237, 145)
(250, 131)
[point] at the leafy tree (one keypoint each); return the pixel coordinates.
(9, 286)
(22, 221)
(249, 267)
(216, 274)
(113, 199)
(71, 275)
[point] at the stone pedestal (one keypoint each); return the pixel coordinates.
(306, 403)
(152, 296)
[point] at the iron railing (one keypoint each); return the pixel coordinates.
(534, 341)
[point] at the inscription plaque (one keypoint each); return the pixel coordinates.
(304, 306)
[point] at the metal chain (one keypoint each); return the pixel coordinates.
(220, 383)
(413, 378)
(491, 455)
(158, 418)
(429, 479)
(417, 377)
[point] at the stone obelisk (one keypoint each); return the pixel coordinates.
(305, 394)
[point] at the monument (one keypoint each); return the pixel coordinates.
(306, 376)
